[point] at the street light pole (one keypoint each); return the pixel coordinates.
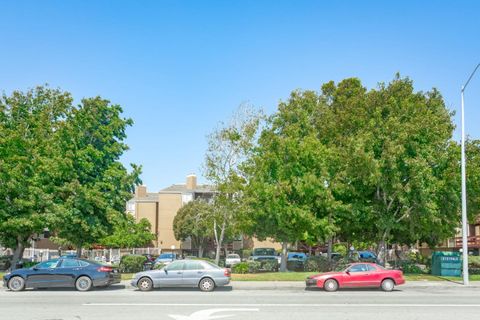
(464, 189)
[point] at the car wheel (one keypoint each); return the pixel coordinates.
(388, 285)
(83, 283)
(16, 284)
(206, 285)
(145, 284)
(330, 285)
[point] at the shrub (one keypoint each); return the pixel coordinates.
(474, 270)
(317, 264)
(246, 253)
(270, 266)
(340, 248)
(409, 267)
(474, 261)
(241, 268)
(254, 266)
(132, 263)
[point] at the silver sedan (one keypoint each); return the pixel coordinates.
(183, 273)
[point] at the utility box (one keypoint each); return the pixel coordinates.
(446, 264)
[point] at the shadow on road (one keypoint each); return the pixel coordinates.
(191, 289)
(353, 290)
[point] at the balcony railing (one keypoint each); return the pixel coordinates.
(473, 242)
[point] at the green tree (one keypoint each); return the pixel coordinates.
(194, 221)
(129, 234)
(289, 192)
(32, 169)
(400, 168)
(98, 185)
(228, 147)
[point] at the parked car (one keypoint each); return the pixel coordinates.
(232, 259)
(183, 273)
(358, 275)
(296, 261)
(64, 272)
(166, 258)
(367, 256)
(264, 254)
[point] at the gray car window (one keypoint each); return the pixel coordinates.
(371, 268)
(83, 263)
(358, 268)
(193, 265)
(177, 265)
(69, 263)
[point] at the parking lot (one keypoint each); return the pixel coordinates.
(249, 301)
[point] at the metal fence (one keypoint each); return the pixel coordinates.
(103, 255)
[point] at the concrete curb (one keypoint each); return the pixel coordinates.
(300, 285)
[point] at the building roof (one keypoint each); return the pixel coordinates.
(183, 188)
(151, 196)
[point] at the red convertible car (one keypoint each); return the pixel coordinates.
(358, 275)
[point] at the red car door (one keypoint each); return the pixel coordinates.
(357, 276)
(374, 275)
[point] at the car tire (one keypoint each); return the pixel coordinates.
(206, 285)
(83, 284)
(145, 284)
(331, 285)
(388, 285)
(16, 284)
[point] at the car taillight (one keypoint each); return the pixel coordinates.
(105, 269)
(227, 272)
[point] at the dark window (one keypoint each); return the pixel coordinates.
(70, 263)
(174, 266)
(47, 264)
(193, 265)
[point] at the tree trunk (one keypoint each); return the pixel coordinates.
(219, 240)
(283, 264)
(18, 253)
(79, 250)
(329, 249)
(200, 251)
(381, 250)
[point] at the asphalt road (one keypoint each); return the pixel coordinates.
(118, 302)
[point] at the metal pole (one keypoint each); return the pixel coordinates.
(464, 203)
(464, 189)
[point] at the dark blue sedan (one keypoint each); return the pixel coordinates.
(64, 272)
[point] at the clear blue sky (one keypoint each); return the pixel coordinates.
(180, 67)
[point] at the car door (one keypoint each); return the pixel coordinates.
(172, 275)
(193, 271)
(356, 276)
(66, 273)
(41, 275)
(374, 276)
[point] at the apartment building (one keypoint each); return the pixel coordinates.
(161, 207)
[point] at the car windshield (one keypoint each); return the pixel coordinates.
(166, 256)
(233, 256)
(264, 252)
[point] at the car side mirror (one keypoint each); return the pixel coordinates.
(165, 270)
(347, 272)
(34, 268)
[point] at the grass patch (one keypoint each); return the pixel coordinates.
(429, 277)
(127, 276)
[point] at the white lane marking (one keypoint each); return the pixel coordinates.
(208, 314)
(353, 305)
